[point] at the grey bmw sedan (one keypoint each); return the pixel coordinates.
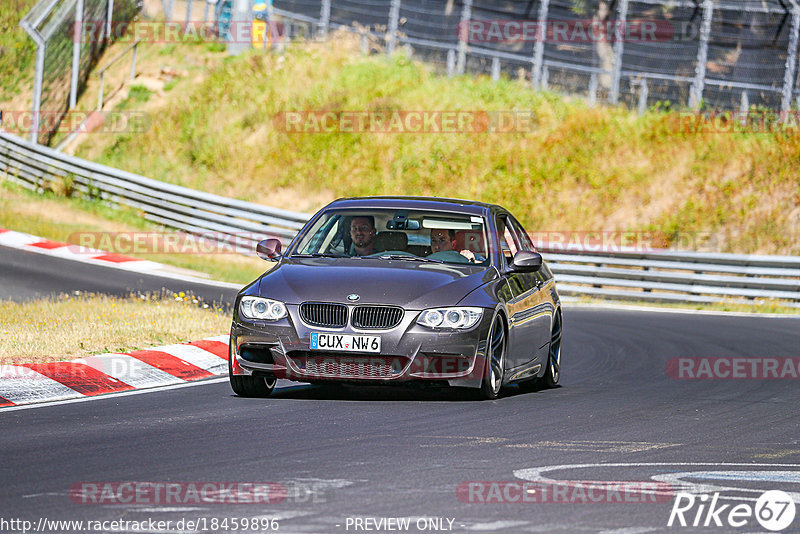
(392, 289)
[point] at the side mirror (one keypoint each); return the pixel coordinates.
(269, 249)
(526, 262)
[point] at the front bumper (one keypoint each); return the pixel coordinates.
(408, 352)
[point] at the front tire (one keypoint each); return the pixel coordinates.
(553, 372)
(250, 386)
(494, 368)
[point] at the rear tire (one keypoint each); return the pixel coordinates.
(494, 368)
(250, 386)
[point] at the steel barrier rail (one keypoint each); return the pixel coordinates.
(625, 274)
(236, 221)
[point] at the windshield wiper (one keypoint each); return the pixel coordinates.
(320, 255)
(407, 258)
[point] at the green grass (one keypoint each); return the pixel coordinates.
(580, 168)
(17, 50)
(137, 95)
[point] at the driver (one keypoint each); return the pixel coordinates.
(362, 232)
(442, 240)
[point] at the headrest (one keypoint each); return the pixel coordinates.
(391, 241)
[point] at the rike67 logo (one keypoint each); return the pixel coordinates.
(774, 510)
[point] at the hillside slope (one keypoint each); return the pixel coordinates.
(577, 169)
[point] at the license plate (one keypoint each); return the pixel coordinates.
(345, 342)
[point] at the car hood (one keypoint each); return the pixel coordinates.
(412, 285)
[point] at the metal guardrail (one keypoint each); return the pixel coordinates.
(658, 276)
(223, 219)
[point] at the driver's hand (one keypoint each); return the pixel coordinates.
(469, 255)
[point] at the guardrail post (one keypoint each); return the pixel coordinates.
(643, 92)
(545, 77)
(698, 85)
(394, 21)
(619, 49)
(451, 63)
(791, 62)
(77, 39)
(495, 69)
(463, 36)
(744, 108)
(325, 19)
(538, 49)
(593, 90)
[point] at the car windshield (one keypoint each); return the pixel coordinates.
(404, 235)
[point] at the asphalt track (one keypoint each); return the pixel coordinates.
(25, 275)
(377, 453)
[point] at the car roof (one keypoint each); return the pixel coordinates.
(415, 203)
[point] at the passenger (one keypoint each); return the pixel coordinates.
(443, 240)
(362, 232)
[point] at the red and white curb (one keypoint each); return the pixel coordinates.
(113, 373)
(31, 243)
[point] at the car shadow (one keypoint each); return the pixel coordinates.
(395, 393)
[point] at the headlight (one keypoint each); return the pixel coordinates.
(260, 308)
(450, 317)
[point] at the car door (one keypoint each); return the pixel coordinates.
(530, 308)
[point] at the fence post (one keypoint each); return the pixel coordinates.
(109, 19)
(325, 19)
(538, 49)
(619, 49)
(133, 61)
(188, 14)
(241, 15)
(100, 92)
(791, 61)
(394, 20)
(702, 56)
(593, 90)
(77, 39)
(463, 36)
